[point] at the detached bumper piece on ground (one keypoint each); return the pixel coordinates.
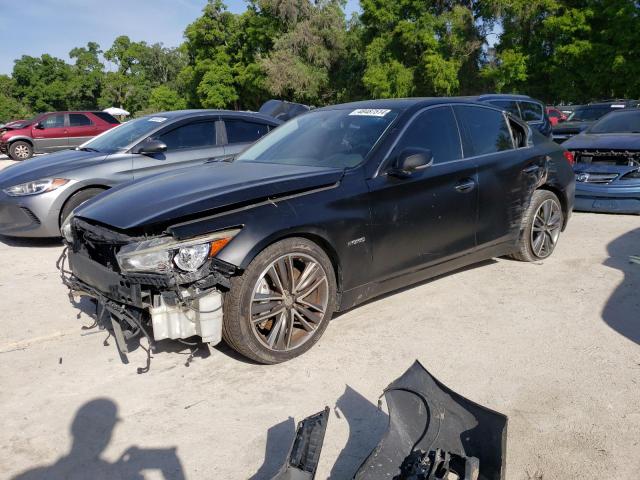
(433, 434)
(302, 461)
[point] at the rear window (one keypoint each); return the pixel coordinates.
(106, 117)
(531, 111)
(487, 129)
(192, 135)
(239, 131)
(79, 120)
(509, 106)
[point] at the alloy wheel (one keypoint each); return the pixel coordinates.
(289, 301)
(21, 151)
(547, 223)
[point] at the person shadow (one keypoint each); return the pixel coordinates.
(92, 429)
(622, 310)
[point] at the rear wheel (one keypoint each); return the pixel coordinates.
(281, 305)
(541, 227)
(20, 150)
(77, 199)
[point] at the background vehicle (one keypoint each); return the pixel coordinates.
(528, 109)
(36, 196)
(556, 116)
(607, 164)
(409, 188)
(50, 132)
(584, 116)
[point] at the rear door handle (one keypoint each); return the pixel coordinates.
(465, 186)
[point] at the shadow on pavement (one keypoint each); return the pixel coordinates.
(279, 440)
(30, 242)
(92, 429)
(367, 424)
(622, 310)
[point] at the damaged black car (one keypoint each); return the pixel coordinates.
(334, 207)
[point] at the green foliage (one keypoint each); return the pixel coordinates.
(420, 48)
(306, 51)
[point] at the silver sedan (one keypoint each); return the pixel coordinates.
(38, 194)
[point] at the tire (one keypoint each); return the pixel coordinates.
(77, 199)
(20, 150)
(545, 212)
(246, 301)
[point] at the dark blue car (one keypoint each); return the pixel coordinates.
(607, 167)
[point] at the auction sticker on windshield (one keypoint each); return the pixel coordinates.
(157, 119)
(370, 112)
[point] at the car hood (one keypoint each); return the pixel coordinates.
(571, 127)
(213, 187)
(604, 141)
(53, 165)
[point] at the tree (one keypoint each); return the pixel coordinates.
(87, 78)
(10, 107)
(571, 50)
(423, 48)
(303, 57)
(42, 84)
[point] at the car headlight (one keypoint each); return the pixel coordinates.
(35, 187)
(66, 229)
(159, 255)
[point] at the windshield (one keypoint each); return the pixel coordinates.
(332, 138)
(618, 122)
(588, 114)
(120, 137)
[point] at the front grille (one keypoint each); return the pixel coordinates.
(97, 249)
(31, 215)
(589, 177)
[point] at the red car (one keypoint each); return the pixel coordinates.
(50, 132)
(555, 115)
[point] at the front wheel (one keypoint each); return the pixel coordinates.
(281, 305)
(20, 150)
(541, 227)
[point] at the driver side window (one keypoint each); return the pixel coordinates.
(436, 130)
(53, 121)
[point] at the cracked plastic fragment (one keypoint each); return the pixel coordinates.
(302, 462)
(435, 433)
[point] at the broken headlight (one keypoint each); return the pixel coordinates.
(161, 255)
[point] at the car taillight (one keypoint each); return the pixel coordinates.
(570, 157)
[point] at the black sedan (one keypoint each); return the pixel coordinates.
(332, 208)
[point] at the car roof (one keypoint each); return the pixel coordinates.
(400, 103)
(181, 114)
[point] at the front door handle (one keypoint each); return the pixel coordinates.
(465, 185)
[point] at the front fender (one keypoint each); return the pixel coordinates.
(336, 218)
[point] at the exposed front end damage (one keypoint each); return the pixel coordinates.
(433, 434)
(616, 157)
(163, 304)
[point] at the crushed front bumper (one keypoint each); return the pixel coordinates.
(155, 306)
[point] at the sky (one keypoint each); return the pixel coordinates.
(34, 27)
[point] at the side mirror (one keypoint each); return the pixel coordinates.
(410, 160)
(39, 126)
(151, 146)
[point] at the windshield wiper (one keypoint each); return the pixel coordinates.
(86, 149)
